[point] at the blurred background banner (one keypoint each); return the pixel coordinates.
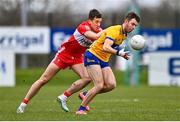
(164, 69)
(162, 56)
(58, 36)
(7, 68)
(25, 39)
(161, 39)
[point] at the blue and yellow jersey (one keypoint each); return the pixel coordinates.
(114, 33)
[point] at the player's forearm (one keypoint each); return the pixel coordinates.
(109, 49)
(92, 35)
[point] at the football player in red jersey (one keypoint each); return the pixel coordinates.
(69, 55)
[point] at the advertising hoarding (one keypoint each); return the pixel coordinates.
(162, 55)
(7, 68)
(29, 40)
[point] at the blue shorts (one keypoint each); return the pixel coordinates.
(90, 59)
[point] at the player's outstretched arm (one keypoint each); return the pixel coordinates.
(93, 35)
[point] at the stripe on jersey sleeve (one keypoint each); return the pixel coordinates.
(109, 38)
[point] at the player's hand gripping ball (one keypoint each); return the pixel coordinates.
(137, 42)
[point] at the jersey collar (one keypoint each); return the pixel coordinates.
(125, 33)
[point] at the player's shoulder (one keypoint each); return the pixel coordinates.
(114, 27)
(85, 24)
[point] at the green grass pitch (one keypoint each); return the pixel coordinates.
(123, 103)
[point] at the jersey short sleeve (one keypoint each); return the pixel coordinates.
(82, 28)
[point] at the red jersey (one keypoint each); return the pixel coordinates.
(77, 44)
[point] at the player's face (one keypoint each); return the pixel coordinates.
(96, 23)
(130, 25)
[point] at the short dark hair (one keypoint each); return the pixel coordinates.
(132, 15)
(94, 13)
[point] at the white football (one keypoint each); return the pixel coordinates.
(137, 42)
